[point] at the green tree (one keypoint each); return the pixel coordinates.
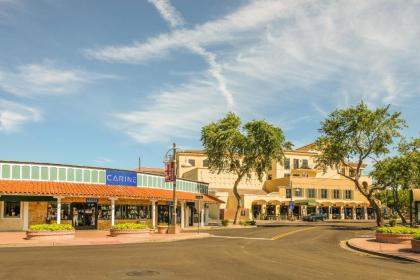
(353, 135)
(243, 151)
(399, 174)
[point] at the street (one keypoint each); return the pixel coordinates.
(284, 252)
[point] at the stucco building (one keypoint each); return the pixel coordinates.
(290, 190)
(94, 197)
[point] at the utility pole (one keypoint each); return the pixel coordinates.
(174, 202)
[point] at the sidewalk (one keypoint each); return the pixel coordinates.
(369, 245)
(82, 238)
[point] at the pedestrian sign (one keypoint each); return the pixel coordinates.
(291, 205)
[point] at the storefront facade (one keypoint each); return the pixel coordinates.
(94, 198)
(415, 206)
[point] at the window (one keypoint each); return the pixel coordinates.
(287, 163)
(286, 175)
(305, 164)
(352, 173)
(336, 194)
(295, 163)
(349, 194)
(206, 163)
(191, 162)
(104, 212)
(324, 193)
(288, 193)
(132, 212)
(343, 171)
(311, 193)
(298, 192)
(11, 209)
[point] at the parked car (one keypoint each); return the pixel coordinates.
(314, 217)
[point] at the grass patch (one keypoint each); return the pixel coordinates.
(247, 223)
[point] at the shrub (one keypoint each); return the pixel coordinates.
(397, 230)
(247, 223)
(51, 227)
(130, 226)
(417, 237)
(225, 223)
(393, 220)
(163, 225)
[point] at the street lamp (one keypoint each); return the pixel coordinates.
(170, 176)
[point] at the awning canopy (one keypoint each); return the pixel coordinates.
(41, 188)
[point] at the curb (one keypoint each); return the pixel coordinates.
(380, 254)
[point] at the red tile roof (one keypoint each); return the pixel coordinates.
(15, 187)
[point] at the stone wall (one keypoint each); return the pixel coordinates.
(37, 212)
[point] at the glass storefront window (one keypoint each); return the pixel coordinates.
(132, 212)
(52, 211)
(104, 212)
(11, 209)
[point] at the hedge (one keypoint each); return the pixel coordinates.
(50, 227)
(130, 226)
(398, 230)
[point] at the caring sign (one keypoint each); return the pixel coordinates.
(121, 178)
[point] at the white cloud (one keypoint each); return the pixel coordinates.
(331, 53)
(168, 12)
(41, 79)
(13, 116)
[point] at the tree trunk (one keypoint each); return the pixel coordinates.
(238, 199)
(397, 206)
(375, 203)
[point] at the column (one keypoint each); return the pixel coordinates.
(353, 213)
(277, 212)
(113, 210)
(329, 213)
(207, 213)
(218, 214)
(342, 213)
(365, 212)
(58, 210)
(153, 213)
(182, 214)
(317, 209)
(25, 215)
(202, 215)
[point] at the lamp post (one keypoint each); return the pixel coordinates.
(170, 176)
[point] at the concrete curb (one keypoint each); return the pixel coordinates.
(390, 256)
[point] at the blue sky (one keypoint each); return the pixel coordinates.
(103, 82)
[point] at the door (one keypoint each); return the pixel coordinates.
(84, 215)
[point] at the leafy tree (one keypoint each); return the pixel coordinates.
(399, 174)
(352, 135)
(242, 151)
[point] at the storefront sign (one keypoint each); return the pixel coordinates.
(121, 178)
(199, 197)
(91, 200)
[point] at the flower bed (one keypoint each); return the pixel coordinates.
(50, 232)
(395, 234)
(415, 244)
(130, 229)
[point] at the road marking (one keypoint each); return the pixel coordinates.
(281, 235)
(241, 237)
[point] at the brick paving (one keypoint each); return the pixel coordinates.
(97, 237)
(369, 245)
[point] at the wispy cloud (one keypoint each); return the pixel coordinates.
(288, 53)
(168, 12)
(14, 115)
(46, 78)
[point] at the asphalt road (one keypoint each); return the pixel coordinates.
(295, 253)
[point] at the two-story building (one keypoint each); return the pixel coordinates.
(290, 190)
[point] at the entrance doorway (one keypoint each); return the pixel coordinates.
(256, 212)
(296, 212)
(84, 215)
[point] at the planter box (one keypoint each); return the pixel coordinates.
(162, 229)
(393, 238)
(415, 245)
(50, 235)
(130, 232)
